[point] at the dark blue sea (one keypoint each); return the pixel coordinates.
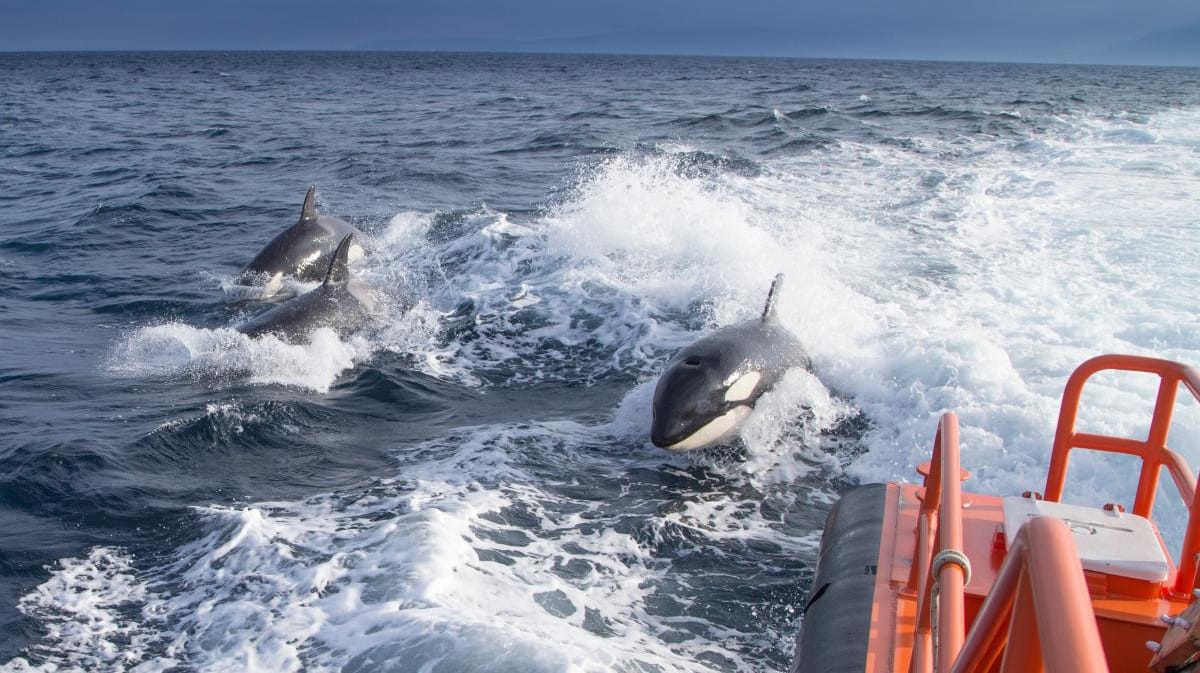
(469, 485)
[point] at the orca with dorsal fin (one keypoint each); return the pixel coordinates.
(709, 388)
(340, 302)
(303, 250)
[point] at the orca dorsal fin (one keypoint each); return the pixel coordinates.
(308, 212)
(768, 313)
(339, 266)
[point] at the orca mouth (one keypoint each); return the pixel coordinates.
(666, 441)
(666, 435)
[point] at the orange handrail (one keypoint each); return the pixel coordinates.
(941, 512)
(1153, 450)
(1040, 584)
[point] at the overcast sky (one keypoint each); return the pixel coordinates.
(870, 28)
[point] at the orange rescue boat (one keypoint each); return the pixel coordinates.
(924, 578)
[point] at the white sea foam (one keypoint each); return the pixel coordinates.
(464, 564)
(607, 281)
(176, 349)
(981, 293)
(217, 354)
(921, 284)
(90, 609)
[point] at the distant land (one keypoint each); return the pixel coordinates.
(1179, 46)
(1174, 47)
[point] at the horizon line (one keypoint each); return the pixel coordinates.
(540, 52)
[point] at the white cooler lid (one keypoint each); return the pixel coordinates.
(1115, 543)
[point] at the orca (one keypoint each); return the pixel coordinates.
(709, 388)
(302, 250)
(340, 302)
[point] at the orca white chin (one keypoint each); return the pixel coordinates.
(717, 429)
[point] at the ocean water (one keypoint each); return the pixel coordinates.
(469, 485)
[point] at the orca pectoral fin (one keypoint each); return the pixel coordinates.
(772, 298)
(339, 266)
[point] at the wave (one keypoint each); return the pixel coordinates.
(485, 537)
(177, 349)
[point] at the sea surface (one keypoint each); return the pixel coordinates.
(468, 485)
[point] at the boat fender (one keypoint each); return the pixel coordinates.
(836, 622)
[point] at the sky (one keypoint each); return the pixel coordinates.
(1056, 30)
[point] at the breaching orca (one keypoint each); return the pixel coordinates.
(303, 250)
(709, 388)
(341, 303)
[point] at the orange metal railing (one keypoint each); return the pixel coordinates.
(1153, 450)
(943, 493)
(1042, 597)
(1040, 585)
(1038, 614)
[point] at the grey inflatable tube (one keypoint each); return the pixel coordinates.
(837, 618)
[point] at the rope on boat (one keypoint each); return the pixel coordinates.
(951, 556)
(943, 557)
